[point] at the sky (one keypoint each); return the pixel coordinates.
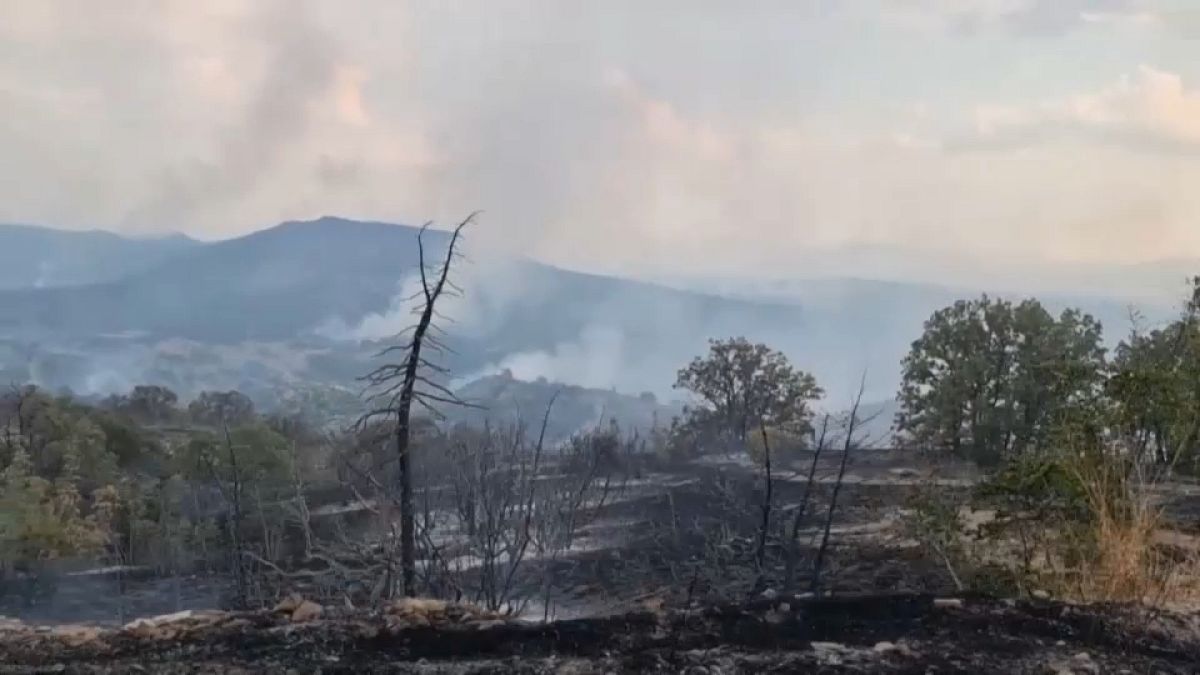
(666, 137)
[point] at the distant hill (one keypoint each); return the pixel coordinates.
(313, 301)
(40, 257)
(270, 285)
(287, 282)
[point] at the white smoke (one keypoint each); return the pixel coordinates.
(595, 360)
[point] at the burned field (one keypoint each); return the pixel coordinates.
(878, 633)
(666, 575)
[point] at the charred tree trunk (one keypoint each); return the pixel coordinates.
(399, 384)
(235, 526)
(793, 551)
(408, 541)
(851, 425)
(764, 528)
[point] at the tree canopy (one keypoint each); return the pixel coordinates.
(989, 378)
(740, 385)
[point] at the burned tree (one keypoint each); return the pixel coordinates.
(397, 386)
(853, 423)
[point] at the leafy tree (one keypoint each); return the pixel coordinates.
(1154, 388)
(152, 403)
(132, 446)
(40, 520)
(221, 408)
(989, 378)
(259, 452)
(741, 386)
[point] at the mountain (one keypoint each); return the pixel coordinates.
(272, 284)
(39, 257)
(293, 282)
(312, 302)
(1154, 282)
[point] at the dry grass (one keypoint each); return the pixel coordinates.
(1115, 544)
(1120, 556)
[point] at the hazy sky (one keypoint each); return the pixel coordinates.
(665, 135)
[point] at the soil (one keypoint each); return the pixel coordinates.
(876, 633)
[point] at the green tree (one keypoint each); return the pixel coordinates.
(152, 403)
(740, 386)
(989, 379)
(260, 454)
(40, 520)
(221, 408)
(1154, 388)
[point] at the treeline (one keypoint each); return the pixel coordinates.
(143, 481)
(137, 480)
(994, 381)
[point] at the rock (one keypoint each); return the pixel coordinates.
(1041, 595)
(653, 604)
(417, 606)
(307, 611)
(1080, 664)
(830, 653)
(948, 603)
(172, 625)
(288, 604)
(770, 594)
(885, 647)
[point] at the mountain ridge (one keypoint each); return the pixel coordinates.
(333, 288)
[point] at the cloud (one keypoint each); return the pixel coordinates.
(1153, 107)
(616, 136)
(1026, 18)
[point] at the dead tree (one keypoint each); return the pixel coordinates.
(233, 521)
(851, 426)
(760, 555)
(793, 548)
(397, 386)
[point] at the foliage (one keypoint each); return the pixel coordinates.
(1081, 525)
(989, 379)
(1155, 389)
(115, 481)
(221, 408)
(40, 520)
(740, 385)
(783, 444)
(152, 404)
(258, 453)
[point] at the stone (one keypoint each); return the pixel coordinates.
(288, 604)
(307, 611)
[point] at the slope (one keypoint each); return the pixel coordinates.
(39, 257)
